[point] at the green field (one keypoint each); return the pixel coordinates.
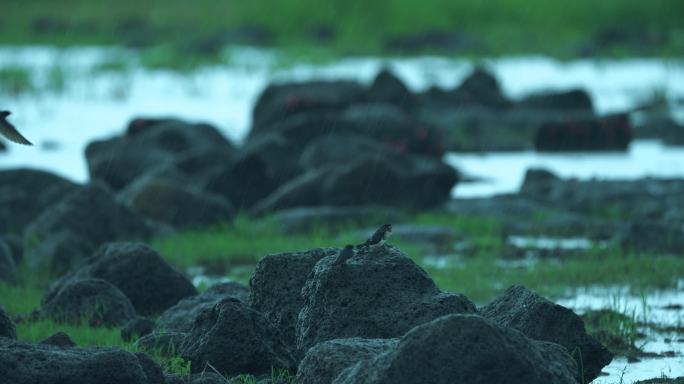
(349, 27)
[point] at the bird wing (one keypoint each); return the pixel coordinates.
(7, 130)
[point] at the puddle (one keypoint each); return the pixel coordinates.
(99, 104)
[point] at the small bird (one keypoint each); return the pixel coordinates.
(8, 130)
(345, 254)
(379, 237)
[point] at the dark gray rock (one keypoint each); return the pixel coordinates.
(16, 245)
(7, 328)
(575, 101)
(140, 273)
(137, 328)
(337, 149)
(25, 193)
(59, 339)
(162, 343)
(324, 361)
(8, 270)
(306, 219)
(540, 319)
(467, 349)
(175, 136)
(181, 206)
(378, 293)
(235, 340)
(276, 285)
(181, 316)
(94, 301)
(302, 191)
(90, 212)
(539, 183)
(653, 237)
(479, 88)
(152, 370)
(388, 88)
(60, 252)
(23, 363)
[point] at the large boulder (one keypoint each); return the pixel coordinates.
(139, 272)
(93, 301)
(181, 206)
(576, 101)
(276, 284)
(90, 212)
(235, 339)
(23, 363)
(175, 136)
(7, 328)
(324, 362)
(377, 293)
(8, 270)
(25, 193)
(467, 349)
(388, 88)
(479, 88)
(611, 132)
(540, 319)
(181, 316)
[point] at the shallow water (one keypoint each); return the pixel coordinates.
(96, 104)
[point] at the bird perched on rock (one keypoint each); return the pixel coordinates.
(345, 254)
(379, 237)
(8, 130)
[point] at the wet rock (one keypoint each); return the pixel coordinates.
(162, 343)
(25, 193)
(477, 344)
(388, 88)
(576, 101)
(276, 284)
(605, 133)
(302, 191)
(7, 328)
(90, 212)
(150, 283)
(8, 270)
(152, 370)
(182, 206)
(235, 339)
(278, 101)
(480, 88)
(23, 363)
(137, 328)
(364, 181)
(59, 339)
(324, 362)
(16, 245)
(60, 252)
(174, 136)
(94, 301)
(377, 294)
(181, 316)
(540, 319)
(337, 149)
(539, 183)
(654, 237)
(305, 219)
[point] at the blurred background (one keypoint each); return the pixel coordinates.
(511, 141)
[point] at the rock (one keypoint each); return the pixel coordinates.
(479, 88)
(174, 136)
(150, 283)
(576, 101)
(324, 361)
(152, 370)
(23, 363)
(59, 339)
(137, 328)
(364, 181)
(377, 294)
(538, 183)
(94, 301)
(476, 344)
(182, 206)
(181, 316)
(7, 328)
(162, 343)
(306, 219)
(652, 237)
(92, 213)
(611, 132)
(302, 191)
(60, 252)
(8, 270)
(337, 149)
(388, 88)
(16, 245)
(25, 193)
(235, 340)
(278, 101)
(276, 284)
(540, 319)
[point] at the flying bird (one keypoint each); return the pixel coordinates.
(345, 254)
(379, 237)
(8, 130)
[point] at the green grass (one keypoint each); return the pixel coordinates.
(361, 27)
